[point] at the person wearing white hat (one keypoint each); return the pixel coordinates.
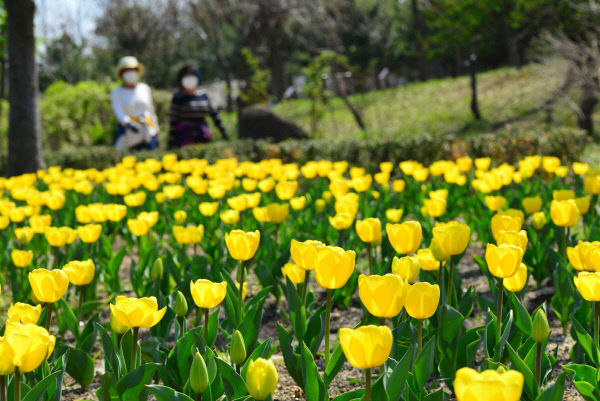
(133, 106)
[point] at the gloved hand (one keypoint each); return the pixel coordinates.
(131, 127)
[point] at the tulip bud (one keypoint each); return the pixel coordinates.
(181, 306)
(320, 205)
(437, 252)
(198, 374)
(157, 269)
(540, 329)
(237, 352)
(539, 220)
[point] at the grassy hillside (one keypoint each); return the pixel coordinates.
(510, 99)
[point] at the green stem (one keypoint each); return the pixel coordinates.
(368, 384)
(596, 318)
(2, 388)
(240, 292)
(370, 253)
(538, 365)
(182, 258)
(382, 323)
(17, 386)
(419, 335)
(80, 305)
(327, 318)
(181, 326)
(499, 310)
(134, 344)
(48, 316)
(305, 286)
(450, 282)
(206, 325)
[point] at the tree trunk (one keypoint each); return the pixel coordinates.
(473, 74)
(419, 35)
(588, 102)
(24, 136)
(341, 93)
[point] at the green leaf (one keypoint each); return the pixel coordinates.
(555, 391)
(351, 395)
(530, 383)
(233, 383)
(132, 387)
(395, 382)
(163, 393)
(586, 341)
(292, 360)
(39, 390)
(522, 318)
(69, 318)
(424, 364)
(314, 388)
(335, 364)
(111, 357)
(80, 366)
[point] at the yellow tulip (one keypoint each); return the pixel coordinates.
(426, 260)
(80, 272)
(242, 245)
(238, 203)
(30, 345)
(495, 203)
(367, 346)
(21, 258)
(505, 222)
(207, 294)
(464, 163)
(518, 281)
(563, 194)
(394, 215)
(518, 239)
(24, 313)
(369, 230)
(583, 204)
(266, 184)
(588, 285)
(285, 190)
(137, 312)
(6, 362)
(114, 213)
(40, 222)
(24, 234)
(296, 274)
(341, 221)
(89, 233)
(483, 163)
(580, 168)
(435, 207)
(406, 267)
(261, 378)
(230, 216)
(585, 256)
(138, 227)
(180, 216)
(208, 208)
(135, 199)
(116, 326)
(277, 212)
(503, 260)
(539, 220)
(383, 296)
(188, 235)
(333, 266)
(422, 300)
(298, 203)
(550, 163)
(48, 285)
(55, 236)
(532, 204)
(405, 237)
(173, 191)
(304, 253)
(564, 213)
(149, 217)
(591, 184)
(452, 237)
(490, 385)
(398, 185)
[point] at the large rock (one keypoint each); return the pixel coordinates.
(256, 122)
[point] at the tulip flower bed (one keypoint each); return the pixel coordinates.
(185, 280)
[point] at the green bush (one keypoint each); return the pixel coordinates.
(565, 143)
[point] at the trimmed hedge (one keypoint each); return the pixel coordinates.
(369, 152)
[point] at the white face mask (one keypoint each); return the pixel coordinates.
(189, 82)
(130, 77)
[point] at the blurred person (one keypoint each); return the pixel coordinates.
(134, 109)
(190, 108)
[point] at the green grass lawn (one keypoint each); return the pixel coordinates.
(509, 99)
